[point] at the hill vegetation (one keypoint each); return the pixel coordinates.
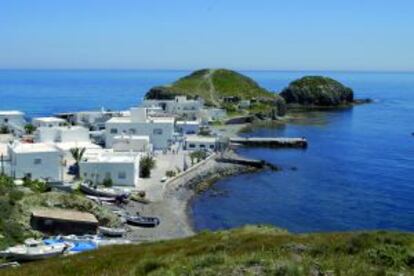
(17, 203)
(245, 251)
(317, 91)
(214, 86)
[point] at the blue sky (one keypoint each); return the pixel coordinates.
(190, 34)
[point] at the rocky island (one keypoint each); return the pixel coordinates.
(318, 91)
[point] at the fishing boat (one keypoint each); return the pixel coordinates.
(102, 192)
(100, 199)
(142, 221)
(111, 232)
(33, 250)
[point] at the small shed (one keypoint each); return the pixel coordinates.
(63, 222)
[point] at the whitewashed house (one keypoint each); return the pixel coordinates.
(36, 161)
(48, 122)
(131, 143)
(13, 120)
(188, 127)
(62, 134)
(121, 168)
(196, 142)
(160, 130)
(180, 105)
(65, 138)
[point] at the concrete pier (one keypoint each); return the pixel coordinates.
(271, 142)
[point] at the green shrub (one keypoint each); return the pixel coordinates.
(170, 173)
(35, 185)
(147, 163)
(107, 182)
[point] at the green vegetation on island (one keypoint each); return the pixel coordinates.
(245, 251)
(225, 89)
(317, 91)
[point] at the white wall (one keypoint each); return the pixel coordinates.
(187, 128)
(27, 163)
(128, 143)
(40, 122)
(98, 171)
(207, 144)
(159, 141)
(62, 134)
(74, 134)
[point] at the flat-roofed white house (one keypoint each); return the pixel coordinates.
(180, 105)
(14, 120)
(48, 122)
(131, 143)
(36, 161)
(196, 142)
(62, 134)
(121, 168)
(160, 130)
(188, 127)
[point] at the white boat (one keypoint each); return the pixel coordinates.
(102, 192)
(111, 232)
(33, 250)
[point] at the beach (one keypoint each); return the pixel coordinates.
(173, 209)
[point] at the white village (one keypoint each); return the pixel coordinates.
(112, 158)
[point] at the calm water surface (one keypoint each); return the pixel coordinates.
(358, 172)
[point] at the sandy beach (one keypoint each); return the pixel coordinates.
(173, 209)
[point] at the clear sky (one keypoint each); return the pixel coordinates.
(190, 34)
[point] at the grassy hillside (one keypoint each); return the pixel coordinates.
(212, 85)
(250, 250)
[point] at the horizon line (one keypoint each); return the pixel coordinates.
(201, 68)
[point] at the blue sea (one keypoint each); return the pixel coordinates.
(357, 173)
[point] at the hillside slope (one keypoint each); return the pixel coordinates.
(249, 250)
(213, 85)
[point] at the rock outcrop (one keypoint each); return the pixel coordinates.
(317, 91)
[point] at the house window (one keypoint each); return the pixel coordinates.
(107, 175)
(37, 161)
(114, 131)
(85, 174)
(157, 131)
(202, 146)
(211, 146)
(132, 131)
(191, 146)
(122, 175)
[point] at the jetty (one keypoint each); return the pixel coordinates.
(272, 142)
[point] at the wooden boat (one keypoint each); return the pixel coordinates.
(111, 232)
(33, 250)
(102, 192)
(142, 221)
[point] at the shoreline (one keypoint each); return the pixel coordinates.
(174, 210)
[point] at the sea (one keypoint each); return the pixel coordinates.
(356, 174)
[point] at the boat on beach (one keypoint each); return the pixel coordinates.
(142, 221)
(88, 189)
(33, 250)
(111, 232)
